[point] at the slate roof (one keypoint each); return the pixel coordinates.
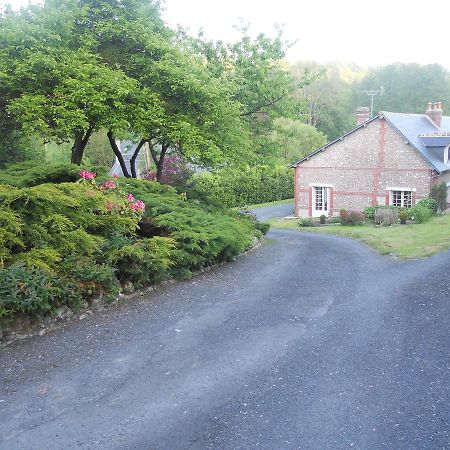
(420, 131)
(413, 126)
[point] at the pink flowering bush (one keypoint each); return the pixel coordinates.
(123, 204)
(175, 171)
(86, 175)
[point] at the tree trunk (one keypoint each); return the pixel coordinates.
(80, 142)
(119, 156)
(134, 157)
(159, 162)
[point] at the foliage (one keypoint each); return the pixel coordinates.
(439, 194)
(244, 186)
(351, 217)
(306, 222)
(403, 216)
(33, 290)
(430, 204)
(32, 173)
(420, 214)
(175, 171)
(407, 87)
(323, 219)
(85, 238)
(293, 139)
(386, 216)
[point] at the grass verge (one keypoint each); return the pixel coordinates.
(404, 241)
(278, 202)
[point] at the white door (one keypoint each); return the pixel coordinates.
(321, 201)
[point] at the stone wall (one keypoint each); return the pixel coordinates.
(360, 168)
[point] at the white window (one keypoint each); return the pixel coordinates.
(401, 198)
(320, 199)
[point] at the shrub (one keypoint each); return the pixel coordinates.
(34, 290)
(386, 216)
(352, 218)
(305, 222)
(343, 216)
(323, 219)
(244, 186)
(369, 212)
(429, 203)
(420, 214)
(403, 216)
(439, 194)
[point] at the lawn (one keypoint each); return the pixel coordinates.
(405, 241)
(278, 202)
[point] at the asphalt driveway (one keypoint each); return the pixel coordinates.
(307, 342)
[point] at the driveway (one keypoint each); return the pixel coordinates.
(269, 212)
(307, 342)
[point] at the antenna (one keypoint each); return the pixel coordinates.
(372, 94)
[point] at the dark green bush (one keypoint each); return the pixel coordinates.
(323, 219)
(34, 290)
(439, 194)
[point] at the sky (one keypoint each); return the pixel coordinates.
(367, 33)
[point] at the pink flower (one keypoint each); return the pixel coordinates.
(110, 206)
(101, 187)
(116, 177)
(130, 198)
(110, 184)
(138, 206)
(86, 175)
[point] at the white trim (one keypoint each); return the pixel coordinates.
(446, 150)
(401, 189)
(320, 185)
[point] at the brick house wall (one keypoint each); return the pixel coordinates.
(359, 169)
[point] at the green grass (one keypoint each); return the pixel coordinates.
(278, 202)
(404, 241)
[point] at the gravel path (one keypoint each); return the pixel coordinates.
(308, 342)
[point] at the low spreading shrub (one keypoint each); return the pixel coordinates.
(33, 290)
(306, 222)
(63, 242)
(351, 217)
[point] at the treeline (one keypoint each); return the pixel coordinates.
(331, 101)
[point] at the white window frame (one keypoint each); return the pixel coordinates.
(325, 189)
(403, 197)
(446, 155)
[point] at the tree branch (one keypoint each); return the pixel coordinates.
(134, 157)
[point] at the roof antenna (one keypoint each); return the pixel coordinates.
(372, 94)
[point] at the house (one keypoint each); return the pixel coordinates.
(390, 159)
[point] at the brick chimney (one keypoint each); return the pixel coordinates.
(434, 112)
(362, 115)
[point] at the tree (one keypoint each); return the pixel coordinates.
(407, 87)
(294, 139)
(439, 193)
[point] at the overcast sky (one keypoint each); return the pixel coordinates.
(368, 33)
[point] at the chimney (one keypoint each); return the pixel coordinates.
(434, 112)
(362, 115)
